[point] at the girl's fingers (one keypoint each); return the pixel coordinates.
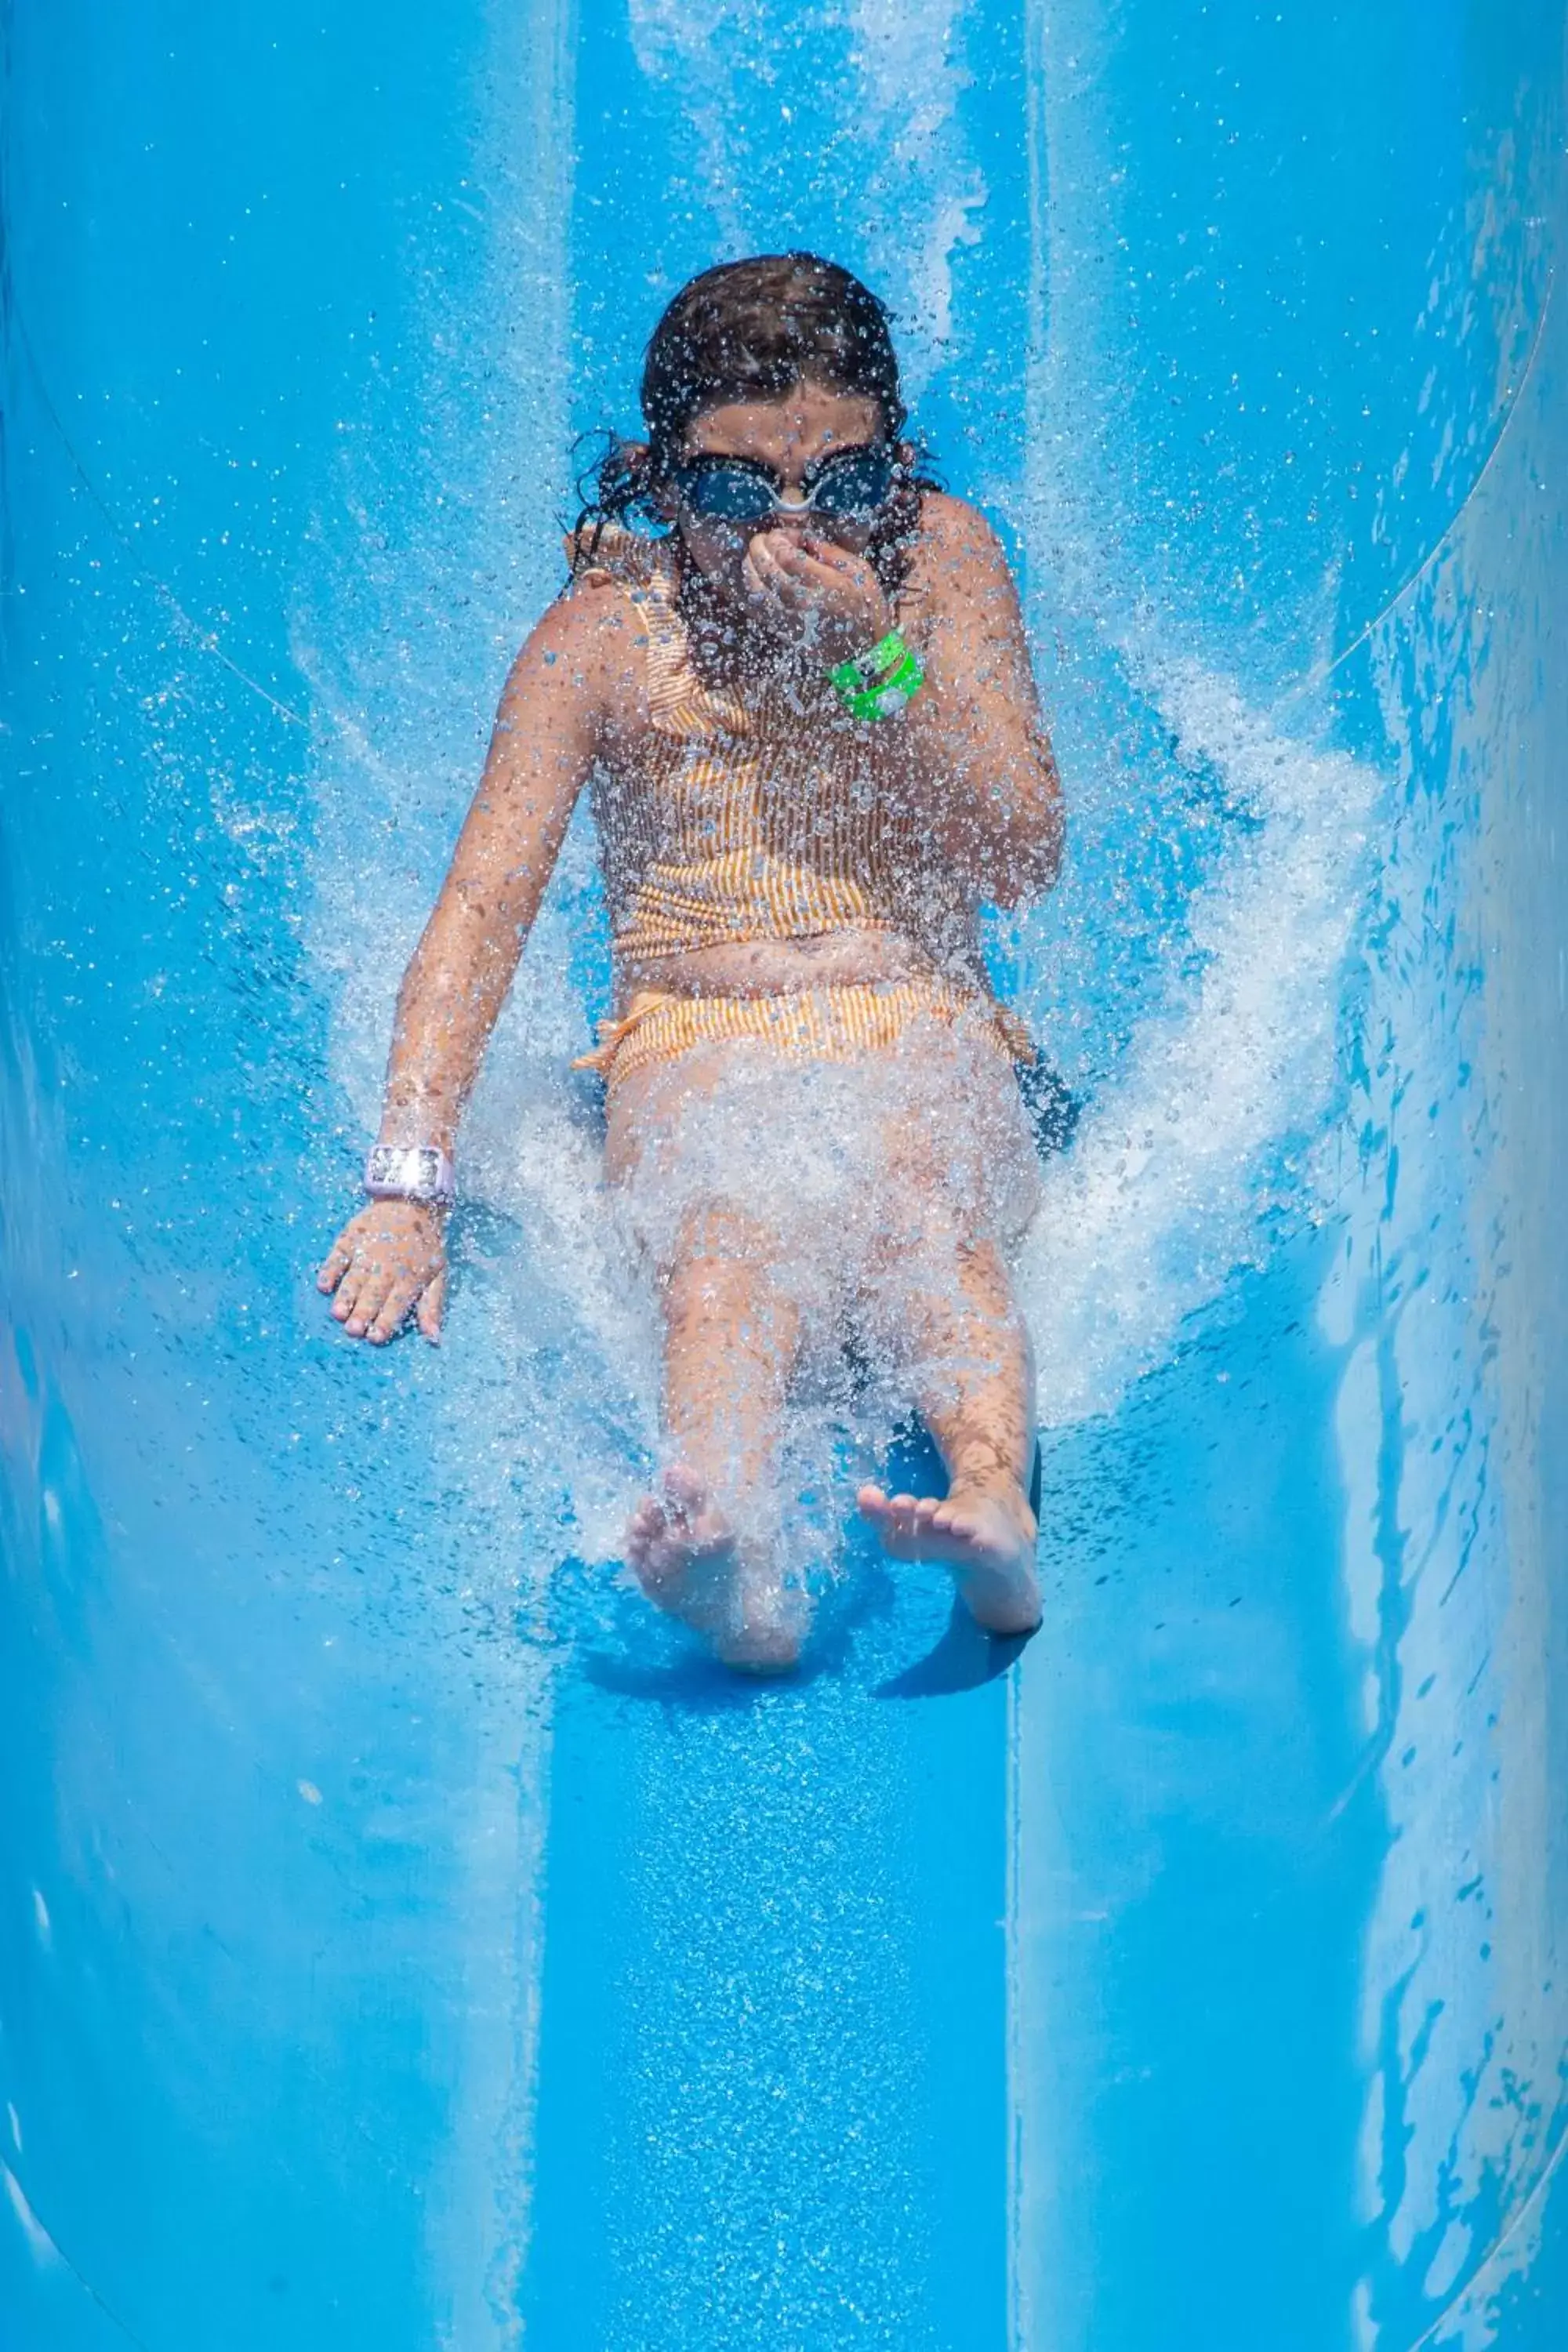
(838, 559)
(827, 571)
(392, 1312)
(430, 1307)
(367, 1300)
(385, 1281)
(378, 1266)
(795, 575)
(801, 597)
(349, 1289)
(774, 554)
(333, 1267)
(759, 568)
(832, 585)
(796, 558)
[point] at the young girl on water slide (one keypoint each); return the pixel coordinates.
(808, 721)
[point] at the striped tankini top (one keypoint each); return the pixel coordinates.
(724, 825)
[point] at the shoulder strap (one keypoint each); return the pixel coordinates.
(679, 702)
(608, 551)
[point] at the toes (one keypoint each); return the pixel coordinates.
(896, 1517)
(916, 1527)
(695, 1519)
(645, 1526)
(685, 1490)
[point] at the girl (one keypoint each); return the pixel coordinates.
(809, 724)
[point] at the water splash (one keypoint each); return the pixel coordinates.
(1201, 1128)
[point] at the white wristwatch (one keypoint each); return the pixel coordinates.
(411, 1171)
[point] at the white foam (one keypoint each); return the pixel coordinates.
(1188, 1144)
(419, 584)
(898, 74)
(923, 190)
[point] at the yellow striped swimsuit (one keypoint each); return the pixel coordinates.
(723, 829)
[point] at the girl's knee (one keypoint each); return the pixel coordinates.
(721, 1232)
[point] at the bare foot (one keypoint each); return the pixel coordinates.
(983, 1530)
(689, 1562)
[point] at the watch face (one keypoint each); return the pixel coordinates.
(412, 1170)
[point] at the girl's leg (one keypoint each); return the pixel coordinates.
(951, 1314)
(703, 1548)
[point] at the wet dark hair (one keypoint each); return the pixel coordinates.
(752, 330)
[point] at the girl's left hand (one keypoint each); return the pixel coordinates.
(834, 598)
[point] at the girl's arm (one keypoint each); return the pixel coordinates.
(971, 750)
(968, 760)
(547, 734)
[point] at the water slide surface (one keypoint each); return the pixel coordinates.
(402, 1941)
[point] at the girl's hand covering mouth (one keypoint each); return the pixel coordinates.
(834, 599)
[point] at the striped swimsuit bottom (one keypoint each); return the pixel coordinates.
(833, 1023)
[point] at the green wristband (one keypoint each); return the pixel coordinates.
(879, 684)
(862, 670)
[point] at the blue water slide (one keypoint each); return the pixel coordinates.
(403, 1940)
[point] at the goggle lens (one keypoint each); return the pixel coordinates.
(858, 483)
(848, 487)
(727, 493)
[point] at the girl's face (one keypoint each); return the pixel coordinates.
(788, 435)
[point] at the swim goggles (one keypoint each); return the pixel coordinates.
(847, 485)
